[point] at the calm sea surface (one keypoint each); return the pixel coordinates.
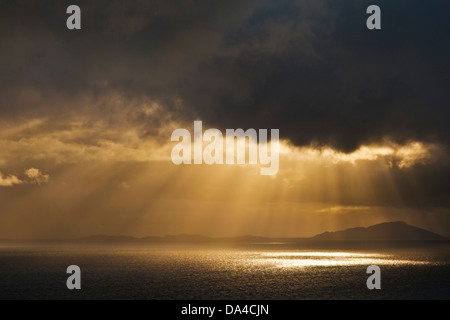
(252, 272)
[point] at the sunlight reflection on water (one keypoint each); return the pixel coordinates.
(324, 259)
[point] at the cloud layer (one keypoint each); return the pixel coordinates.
(9, 181)
(32, 176)
(310, 68)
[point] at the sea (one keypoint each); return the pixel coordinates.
(273, 271)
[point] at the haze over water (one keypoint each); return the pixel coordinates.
(269, 271)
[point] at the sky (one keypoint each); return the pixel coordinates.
(86, 116)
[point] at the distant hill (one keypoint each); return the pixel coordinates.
(388, 231)
(104, 238)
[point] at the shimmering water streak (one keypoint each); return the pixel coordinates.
(324, 259)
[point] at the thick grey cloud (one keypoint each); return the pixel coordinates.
(310, 67)
(332, 81)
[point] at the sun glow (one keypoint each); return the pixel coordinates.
(403, 156)
(129, 185)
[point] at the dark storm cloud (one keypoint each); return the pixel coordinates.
(310, 68)
(332, 81)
